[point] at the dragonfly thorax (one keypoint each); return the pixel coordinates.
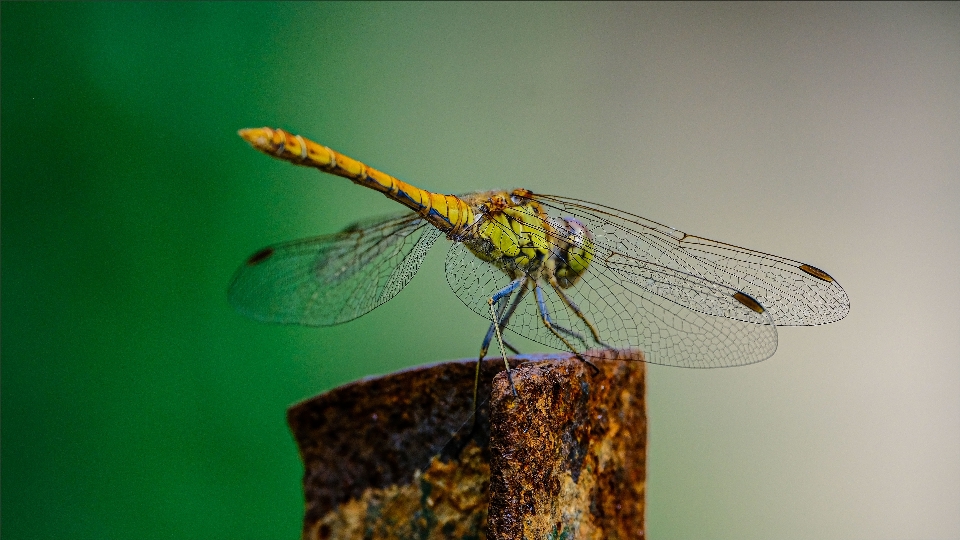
(509, 235)
(514, 233)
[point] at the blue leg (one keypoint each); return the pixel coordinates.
(501, 319)
(577, 311)
(514, 285)
(503, 294)
(504, 319)
(545, 317)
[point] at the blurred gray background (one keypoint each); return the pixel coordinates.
(137, 404)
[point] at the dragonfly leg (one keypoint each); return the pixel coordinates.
(548, 321)
(545, 318)
(499, 321)
(503, 353)
(489, 338)
(485, 346)
(577, 311)
(504, 319)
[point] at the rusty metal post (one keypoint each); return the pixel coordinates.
(395, 456)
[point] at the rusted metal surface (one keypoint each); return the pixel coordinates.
(568, 459)
(395, 456)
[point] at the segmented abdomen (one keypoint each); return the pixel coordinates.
(446, 212)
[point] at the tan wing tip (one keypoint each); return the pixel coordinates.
(259, 138)
(748, 301)
(816, 272)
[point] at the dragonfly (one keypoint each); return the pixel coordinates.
(566, 273)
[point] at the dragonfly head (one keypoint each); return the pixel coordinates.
(575, 253)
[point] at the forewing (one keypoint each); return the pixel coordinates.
(332, 279)
(794, 293)
(722, 333)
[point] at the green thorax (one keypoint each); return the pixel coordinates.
(516, 234)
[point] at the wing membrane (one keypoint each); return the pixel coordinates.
(332, 279)
(627, 315)
(795, 294)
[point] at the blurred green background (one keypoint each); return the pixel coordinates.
(136, 404)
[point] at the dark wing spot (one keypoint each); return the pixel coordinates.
(816, 272)
(260, 256)
(748, 301)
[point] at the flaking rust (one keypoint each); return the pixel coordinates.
(394, 457)
(568, 459)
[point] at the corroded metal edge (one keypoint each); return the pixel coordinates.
(375, 447)
(394, 456)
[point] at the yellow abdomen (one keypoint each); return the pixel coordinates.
(446, 212)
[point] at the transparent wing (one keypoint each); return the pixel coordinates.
(794, 293)
(721, 332)
(332, 279)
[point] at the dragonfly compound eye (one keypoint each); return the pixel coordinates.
(576, 253)
(577, 233)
